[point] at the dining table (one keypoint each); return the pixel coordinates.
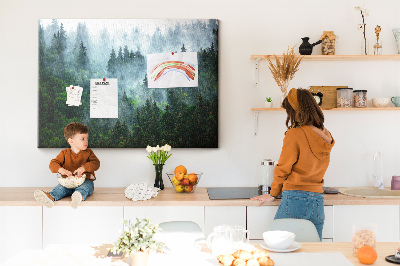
(96, 255)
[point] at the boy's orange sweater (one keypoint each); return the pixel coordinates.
(303, 161)
(71, 161)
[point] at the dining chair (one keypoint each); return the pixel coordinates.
(176, 228)
(304, 230)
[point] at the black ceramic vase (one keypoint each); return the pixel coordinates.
(306, 47)
(159, 181)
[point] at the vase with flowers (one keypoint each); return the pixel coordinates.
(364, 42)
(283, 71)
(158, 155)
(136, 240)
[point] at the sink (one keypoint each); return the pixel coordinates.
(370, 192)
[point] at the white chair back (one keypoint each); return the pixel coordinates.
(304, 230)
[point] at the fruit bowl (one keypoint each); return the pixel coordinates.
(185, 183)
(72, 181)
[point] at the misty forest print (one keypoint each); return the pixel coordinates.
(74, 51)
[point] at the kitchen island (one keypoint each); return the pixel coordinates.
(21, 216)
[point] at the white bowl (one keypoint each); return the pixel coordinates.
(380, 102)
(72, 181)
(279, 239)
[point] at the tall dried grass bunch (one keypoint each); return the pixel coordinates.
(283, 71)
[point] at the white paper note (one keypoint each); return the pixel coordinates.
(104, 98)
(74, 94)
(169, 70)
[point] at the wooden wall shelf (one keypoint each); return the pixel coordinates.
(257, 110)
(336, 57)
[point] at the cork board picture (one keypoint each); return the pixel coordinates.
(133, 82)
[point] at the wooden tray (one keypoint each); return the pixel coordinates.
(329, 98)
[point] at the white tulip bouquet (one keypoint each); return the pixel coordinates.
(159, 155)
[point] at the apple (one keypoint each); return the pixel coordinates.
(179, 188)
(175, 181)
(179, 175)
(185, 182)
(189, 188)
(192, 178)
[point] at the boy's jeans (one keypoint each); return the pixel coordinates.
(86, 189)
(306, 205)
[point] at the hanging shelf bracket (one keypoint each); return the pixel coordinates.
(256, 65)
(255, 122)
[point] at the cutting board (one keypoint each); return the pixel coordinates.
(329, 98)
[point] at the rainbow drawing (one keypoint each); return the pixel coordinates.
(172, 70)
(167, 66)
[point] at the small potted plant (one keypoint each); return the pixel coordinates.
(268, 102)
(137, 240)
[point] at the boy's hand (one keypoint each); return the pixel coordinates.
(63, 171)
(263, 198)
(80, 171)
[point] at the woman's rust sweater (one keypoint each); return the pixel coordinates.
(303, 161)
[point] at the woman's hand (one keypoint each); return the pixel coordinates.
(263, 198)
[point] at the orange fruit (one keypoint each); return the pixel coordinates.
(367, 255)
(180, 169)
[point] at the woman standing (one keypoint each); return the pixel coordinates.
(305, 156)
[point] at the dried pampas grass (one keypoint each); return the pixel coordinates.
(283, 71)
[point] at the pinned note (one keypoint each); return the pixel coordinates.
(104, 98)
(74, 94)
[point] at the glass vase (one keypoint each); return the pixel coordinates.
(396, 33)
(364, 46)
(284, 93)
(159, 181)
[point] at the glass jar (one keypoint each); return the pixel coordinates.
(364, 234)
(266, 176)
(344, 97)
(360, 98)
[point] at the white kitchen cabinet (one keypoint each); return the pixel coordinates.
(386, 217)
(20, 229)
(259, 219)
(85, 225)
(218, 215)
(159, 214)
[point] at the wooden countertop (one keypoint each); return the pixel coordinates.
(96, 254)
(23, 196)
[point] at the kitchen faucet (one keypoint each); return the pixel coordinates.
(378, 179)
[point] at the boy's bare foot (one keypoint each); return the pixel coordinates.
(76, 199)
(44, 198)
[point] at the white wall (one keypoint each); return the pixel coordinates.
(246, 27)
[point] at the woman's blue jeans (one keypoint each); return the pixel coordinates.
(306, 205)
(86, 189)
